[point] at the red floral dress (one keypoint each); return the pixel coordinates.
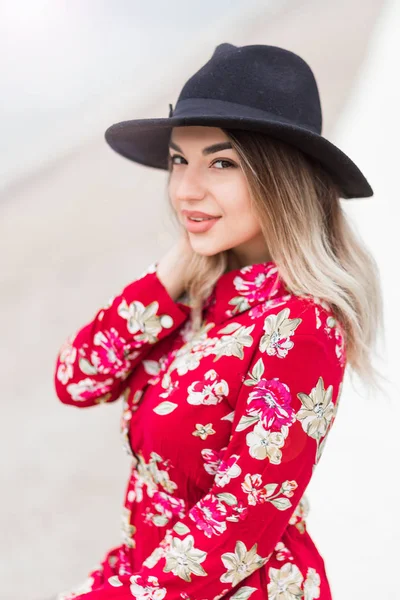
(224, 426)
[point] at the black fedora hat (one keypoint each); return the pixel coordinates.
(256, 88)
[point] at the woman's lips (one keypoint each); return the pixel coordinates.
(199, 226)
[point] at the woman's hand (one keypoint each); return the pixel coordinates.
(173, 268)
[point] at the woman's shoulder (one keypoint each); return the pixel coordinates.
(306, 316)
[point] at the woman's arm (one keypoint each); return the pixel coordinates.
(92, 366)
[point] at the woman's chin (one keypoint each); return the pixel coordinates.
(205, 250)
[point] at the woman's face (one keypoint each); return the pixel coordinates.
(209, 180)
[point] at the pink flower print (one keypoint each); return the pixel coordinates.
(200, 392)
(212, 459)
(209, 514)
(271, 400)
(168, 505)
(112, 355)
(227, 470)
(257, 284)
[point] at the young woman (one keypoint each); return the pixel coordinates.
(228, 353)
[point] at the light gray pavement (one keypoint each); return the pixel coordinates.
(70, 237)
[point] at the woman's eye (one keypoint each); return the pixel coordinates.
(221, 160)
(227, 162)
(175, 156)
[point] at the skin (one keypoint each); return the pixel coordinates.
(215, 184)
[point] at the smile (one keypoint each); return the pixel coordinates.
(199, 224)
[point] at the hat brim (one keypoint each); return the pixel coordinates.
(145, 141)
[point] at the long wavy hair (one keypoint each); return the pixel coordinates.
(310, 239)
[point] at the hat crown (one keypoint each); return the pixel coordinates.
(265, 78)
(258, 88)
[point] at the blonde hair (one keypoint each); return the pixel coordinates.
(310, 239)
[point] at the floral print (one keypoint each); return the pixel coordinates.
(144, 319)
(146, 589)
(210, 514)
(67, 358)
(333, 329)
(317, 412)
(270, 400)
(252, 485)
(266, 444)
(224, 428)
(287, 583)
(203, 431)
(241, 563)
(183, 559)
(209, 391)
(278, 329)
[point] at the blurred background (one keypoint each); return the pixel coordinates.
(78, 222)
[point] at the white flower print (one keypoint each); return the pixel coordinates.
(152, 268)
(88, 388)
(203, 431)
(154, 557)
(200, 392)
(115, 581)
(339, 334)
(188, 356)
(266, 444)
(312, 585)
(144, 319)
(317, 410)
(253, 487)
(282, 553)
(332, 324)
(285, 583)
(183, 559)
(241, 563)
(278, 329)
(232, 343)
(183, 363)
(150, 475)
(65, 369)
(258, 493)
(146, 588)
(128, 530)
(298, 517)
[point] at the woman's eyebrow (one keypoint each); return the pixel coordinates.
(208, 150)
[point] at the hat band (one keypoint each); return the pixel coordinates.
(210, 107)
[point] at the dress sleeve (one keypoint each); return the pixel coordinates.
(285, 407)
(92, 367)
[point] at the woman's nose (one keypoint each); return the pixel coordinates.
(190, 186)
